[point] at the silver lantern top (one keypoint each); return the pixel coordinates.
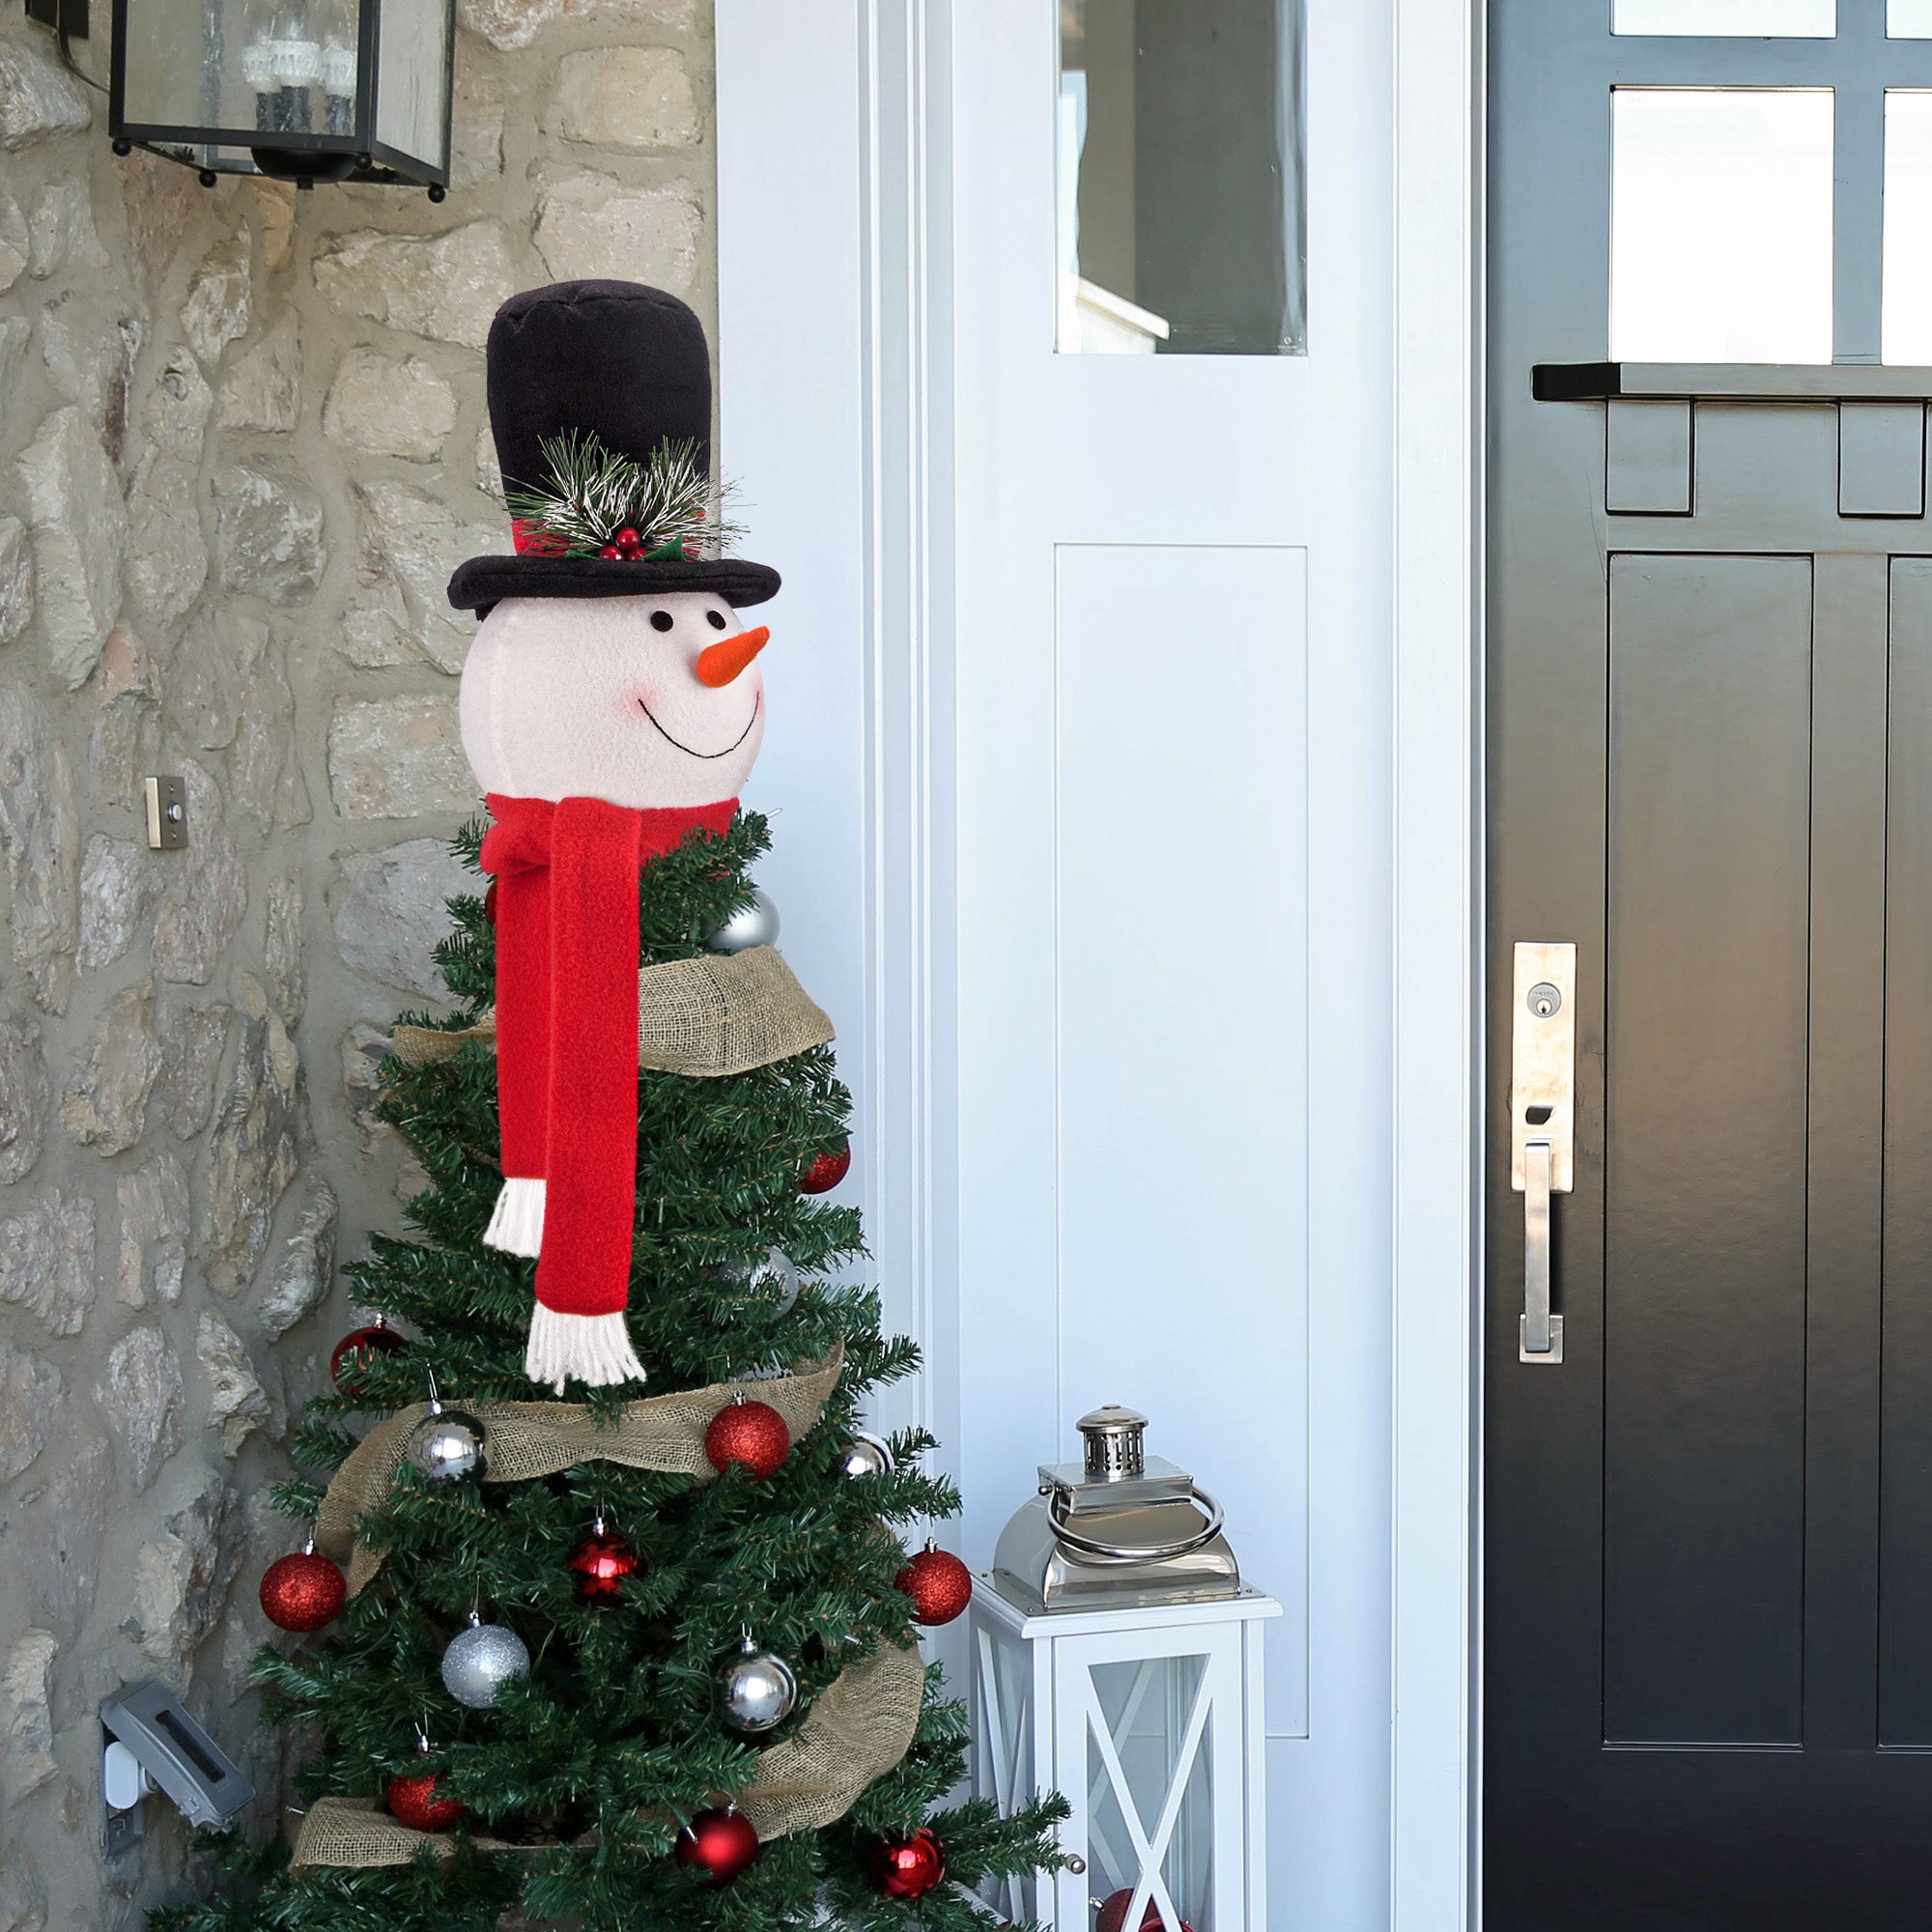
(1119, 1529)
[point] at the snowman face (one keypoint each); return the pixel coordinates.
(613, 698)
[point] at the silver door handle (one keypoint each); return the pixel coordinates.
(1543, 1078)
(1540, 1333)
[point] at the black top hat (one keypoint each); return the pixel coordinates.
(619, 370)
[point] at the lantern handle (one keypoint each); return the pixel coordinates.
(1141, 1552)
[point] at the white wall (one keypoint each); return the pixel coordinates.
(1205, 1230)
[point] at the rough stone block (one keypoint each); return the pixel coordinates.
(141, 1398)
(47, 1259)
(389, 408)
(268, 531)
(398, 757)
(447, 286)
(590, 225)
(81, 536)
(393, 913)
(634, 98)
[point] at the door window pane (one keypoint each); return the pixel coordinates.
(1906, 318)
(1808, 20)
(1908, 19)
(1721, 225)
(1180, 178)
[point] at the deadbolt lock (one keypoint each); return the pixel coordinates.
(1545, 1000)
(1543, 1083)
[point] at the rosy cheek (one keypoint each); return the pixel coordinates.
(638, 699)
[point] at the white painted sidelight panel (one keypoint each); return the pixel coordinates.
(1181, 1050)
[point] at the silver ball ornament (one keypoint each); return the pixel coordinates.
(757, 925)
(864, 1455)
(480, 1660)
(756, 1689)
(774, 1279)
(447, 1444)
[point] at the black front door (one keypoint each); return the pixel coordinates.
(1708, 1571)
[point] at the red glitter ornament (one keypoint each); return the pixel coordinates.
(1112, 1914)
(753, 1434)
(303, 1591)
(412, 1802)
(720, 1844)
(908, 1868)
(356, 1349)
(938, 1584)
(826, 1171)
(602, 1561)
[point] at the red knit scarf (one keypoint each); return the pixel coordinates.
(567, 1023)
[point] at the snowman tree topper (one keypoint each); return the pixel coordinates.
(611, 708)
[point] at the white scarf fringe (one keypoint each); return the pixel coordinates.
(592, 1348)
(517, 1224)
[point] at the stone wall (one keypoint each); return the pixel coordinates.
(242, 445)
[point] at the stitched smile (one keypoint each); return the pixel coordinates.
(687, 750)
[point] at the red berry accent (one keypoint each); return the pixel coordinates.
(827, 1172)
(628, 539)
(938, 1584)
(720, 1844)
(356, 1349)
(412, 1802)
(610, 549)
(602, 1561)
(753, 1434)
(1112, 1914)
(302, 1592)
(908, 1868)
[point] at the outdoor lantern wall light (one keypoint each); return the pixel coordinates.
(1116, 1657)
(306, 91)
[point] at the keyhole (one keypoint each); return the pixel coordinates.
(1543, 1000)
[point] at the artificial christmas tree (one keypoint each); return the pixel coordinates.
(655, 1629)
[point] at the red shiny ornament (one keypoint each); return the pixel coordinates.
(628, 539)
(826, 1171)
(753, 1434)
(909, 1868)
(1112, 1915)
(302, 1592)
(938, 1584)
(412, 1802)
(720, 1844)
(602, 1561)
(353, 1352)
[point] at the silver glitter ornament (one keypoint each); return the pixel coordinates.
(757, 925)
(756, 1689)
(447, 1444)
(480, 1660)
(866, 1456)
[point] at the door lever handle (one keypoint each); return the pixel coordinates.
(1543, 1076)
(1540, 1333)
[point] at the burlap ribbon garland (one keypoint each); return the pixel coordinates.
(857, 1730)
(524, 1440)
(717, 1014)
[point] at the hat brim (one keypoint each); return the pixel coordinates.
(483, 581)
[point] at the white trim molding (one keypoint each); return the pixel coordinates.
(1437, 1409)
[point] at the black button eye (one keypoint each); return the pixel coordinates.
(715, 618)
(661, 620)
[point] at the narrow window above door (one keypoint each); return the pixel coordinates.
(1810, 20)
(1720, 224)
(1178, 160)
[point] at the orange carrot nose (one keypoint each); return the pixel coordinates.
(719, 663)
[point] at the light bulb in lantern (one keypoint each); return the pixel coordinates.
(337, 66)
(282, 61)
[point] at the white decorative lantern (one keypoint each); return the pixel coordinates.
(1144, 1709)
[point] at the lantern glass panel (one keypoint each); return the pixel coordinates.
(242, 67)
(1149, 1784)
(411, 79)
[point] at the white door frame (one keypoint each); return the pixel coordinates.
(835, 391)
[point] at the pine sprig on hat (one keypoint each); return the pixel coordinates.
(599, 504)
